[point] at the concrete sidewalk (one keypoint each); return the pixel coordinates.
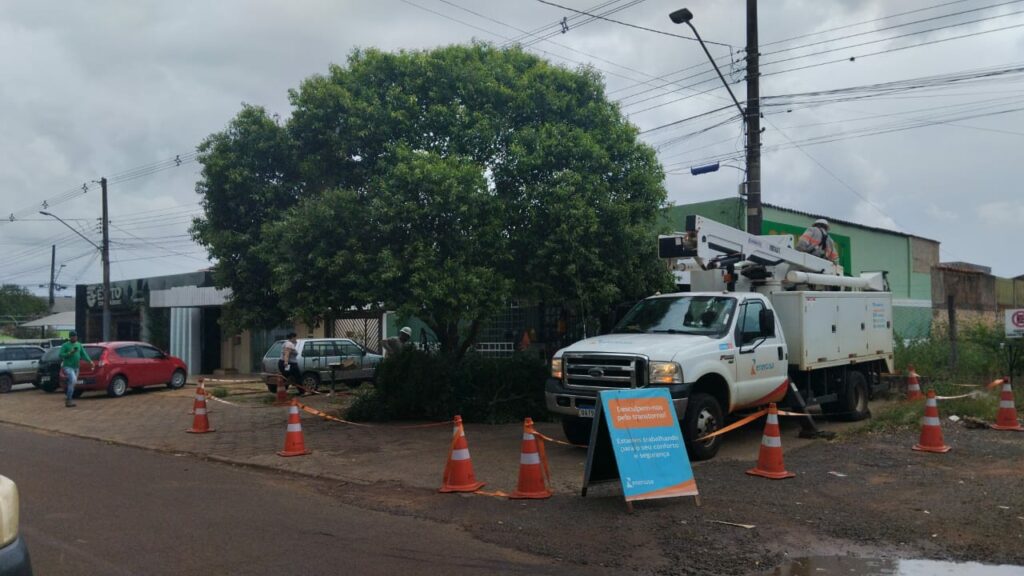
(251, 431)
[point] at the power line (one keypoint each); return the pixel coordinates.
(662, 32)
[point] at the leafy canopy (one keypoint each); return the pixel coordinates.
(437, 183)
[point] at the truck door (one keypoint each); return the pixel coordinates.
(761, 367)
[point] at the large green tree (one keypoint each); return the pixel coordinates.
(439, 183)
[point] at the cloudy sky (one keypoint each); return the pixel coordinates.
(125, 90)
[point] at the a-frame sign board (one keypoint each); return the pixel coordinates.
(635, 440)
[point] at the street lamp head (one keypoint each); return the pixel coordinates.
(681, 16)
(45, 213)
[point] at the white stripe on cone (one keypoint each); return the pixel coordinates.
(200, 411)
(529, 458)
(527, 436)
(771, 441)
(1006, 404)
(295, 427)
(932, 403)
(462, 454)
(930, 421)
(773, 419)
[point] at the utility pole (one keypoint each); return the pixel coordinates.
(53, 266)
(106, 265)
(753, 118)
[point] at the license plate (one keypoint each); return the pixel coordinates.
(44, 379)
(585, 411)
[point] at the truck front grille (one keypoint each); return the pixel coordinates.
(605, 370)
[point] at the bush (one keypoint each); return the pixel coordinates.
(418, 385)
(979, 357)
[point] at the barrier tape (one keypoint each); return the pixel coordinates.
(550, 439)
(745, 421)
(326, 416)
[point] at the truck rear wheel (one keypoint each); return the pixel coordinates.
(852, 404)
(577, 430)
(703, 416)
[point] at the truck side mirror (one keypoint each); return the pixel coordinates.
(767, 321)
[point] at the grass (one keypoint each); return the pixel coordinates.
(219, 392)
(906, 415)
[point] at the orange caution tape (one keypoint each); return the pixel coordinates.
(550, 439)
(326, 416)
(971, 395)
(996, 383)
(495, 494)
(734, 425)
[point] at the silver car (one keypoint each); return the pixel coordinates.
(352, 362)
(18, 364)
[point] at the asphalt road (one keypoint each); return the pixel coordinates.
(100, 509)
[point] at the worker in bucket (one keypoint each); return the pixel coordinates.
(816, 241)
(394, 345)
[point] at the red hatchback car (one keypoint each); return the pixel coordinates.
(123, 365)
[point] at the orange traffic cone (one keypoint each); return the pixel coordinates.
(931, 430)
(294, 444)
(458, 472)
(533, 467)
(282, 391)
(200, 421)
(769, 460)
(1006, 418)
(913, 384)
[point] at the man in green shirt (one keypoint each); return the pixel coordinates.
(72, 354)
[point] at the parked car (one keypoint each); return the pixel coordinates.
(120, 366)
(18, 364)
(14, 558)
(315, 357)
(48, 375)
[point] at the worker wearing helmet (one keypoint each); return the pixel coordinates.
(816, 241)
(394, 345)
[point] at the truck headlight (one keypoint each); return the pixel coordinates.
(556, 368)
(665, 373)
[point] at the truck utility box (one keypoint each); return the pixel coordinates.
(827, 329)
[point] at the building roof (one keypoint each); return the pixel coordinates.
(846, 222)
(58, 320)
(965, 267)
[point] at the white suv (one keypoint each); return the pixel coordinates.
(18, 364)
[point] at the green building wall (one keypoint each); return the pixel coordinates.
(861, 249)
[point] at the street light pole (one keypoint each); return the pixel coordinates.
(106, 264)
(751, 116)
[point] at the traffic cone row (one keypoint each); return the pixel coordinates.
(458, 472)
(913, 384)
(1006, 418)
(769, 460)
(200, 420)
(931, 429)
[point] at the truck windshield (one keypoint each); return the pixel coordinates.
(705, 315)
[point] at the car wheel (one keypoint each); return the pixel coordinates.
(577, 430)
(6, 383)
(703, 416)
(117, 387)
(77, 393)
(310, 381)
(50, 388)
(177, 380)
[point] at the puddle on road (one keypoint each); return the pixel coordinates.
(829, 565)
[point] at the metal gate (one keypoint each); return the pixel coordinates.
(362, 328)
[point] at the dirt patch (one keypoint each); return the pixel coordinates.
(892, 502)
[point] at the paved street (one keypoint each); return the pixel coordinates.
(96, 508)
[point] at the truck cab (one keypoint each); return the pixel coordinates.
(715, 352)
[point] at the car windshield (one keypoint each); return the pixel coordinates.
(275, 350)
(705, 315)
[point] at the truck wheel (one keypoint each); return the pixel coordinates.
(577, 430)
(6, 383)
(853, 398)
(703, 416)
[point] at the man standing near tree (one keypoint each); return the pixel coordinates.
(72, 354)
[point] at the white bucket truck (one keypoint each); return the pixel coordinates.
(752, 332)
